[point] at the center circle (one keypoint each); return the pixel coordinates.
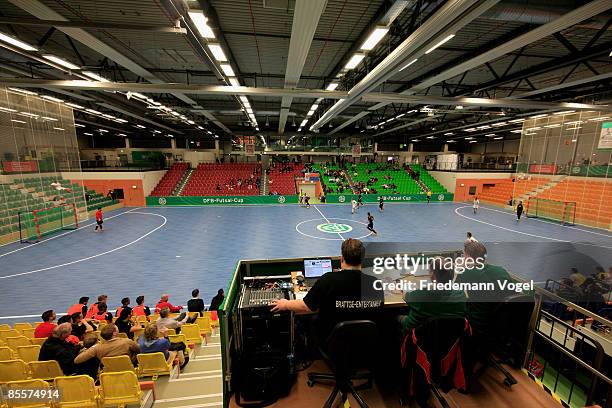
(334, 228)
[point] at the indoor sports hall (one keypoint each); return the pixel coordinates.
(305, 203)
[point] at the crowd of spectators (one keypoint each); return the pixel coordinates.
(73, 340)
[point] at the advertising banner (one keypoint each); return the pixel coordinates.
(20, 166)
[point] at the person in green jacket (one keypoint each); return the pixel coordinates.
(426, 304)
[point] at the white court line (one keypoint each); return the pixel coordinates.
(323, 215)
(97, 255)
(521, 232)
(192, 397)
(65, 233)
(328, 239)
(204, 377)
(553, 223)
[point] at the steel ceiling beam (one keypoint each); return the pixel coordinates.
(306, 15)
(91, 26)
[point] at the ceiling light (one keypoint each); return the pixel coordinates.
(469, 130)
(332, 86)
(498, 138)
(58, 128)
(88, 134)
(191, 122)
(217, 52)
(563, 112)
(450, 141)
(374, 38)
(102, 130)
(60, 61)
(95, 76)
(599, 119)
(484, 127)
(574, 122)
(78, 125)
(227, 70)
(28, 114)
(244, 99)
(201, 23)
(447, 38)
(430, 137)
(473, 141)
(51, 98)
(141, 127)
(414, 140)
(516, 131)
(574, 128)
(354, 61)
(400, 115)
(18, 121)
(516, 120)
(136, 95)
(49, 119)
(74, 105)
(552, 126)
(304, 122)
(234, 81)
(408, 64)
(121, 134)
(23, 91)
(157, 131)
(120, 120)
(93, 111)
(499, 124)
(17, 43)
(534, 128)
(538, 116)
(3, 109)
(459, 107)
(490, 135)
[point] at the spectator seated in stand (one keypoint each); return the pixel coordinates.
(93, 309)
(166, 322)
(125, 302)
(113, 346)
(150, 342)
(124, 323)
(102, 314)
(45, 329)
(164, 303)
(64, 352)
(141, 309)
(79, 307)
(195, 304)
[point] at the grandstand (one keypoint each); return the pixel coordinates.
(222, 179)
(170, 181)
(398, 178)
(283, 178)
(430, 182)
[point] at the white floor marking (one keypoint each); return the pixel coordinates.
(328, 239)
(192, 397)
(62, 234)
(204, 377)
(323, 215)
(524, 233)
(553, 223)
(97, 255)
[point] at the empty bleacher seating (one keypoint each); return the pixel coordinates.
(503, 190)
(205, 179)
(429, 180)
(169, 181)
(283, 182)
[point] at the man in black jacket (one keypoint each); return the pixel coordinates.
(195, 304)
(57, 348)
(217, 300)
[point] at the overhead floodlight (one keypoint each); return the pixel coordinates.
(3, 109)
(78, 125)
(374, 38)
(93, 111)
(473, 141)
(354, 61)
(408, 64)
(74, 105)
(498, 138)
(23, 91)
(564, 112)
(217, 52)
(449, 134)
(444, 40)
(201, 23)
(227, 70)
(17, 43)
(234, 81)
(53, 99)
(141, 127)
(62, 62)
(58, 128)
(450, 141)
(332, 86)
(244, 99)
(95, 76)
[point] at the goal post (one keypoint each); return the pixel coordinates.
(35, 224)
(560, 211)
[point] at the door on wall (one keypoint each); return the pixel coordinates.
(310, 189)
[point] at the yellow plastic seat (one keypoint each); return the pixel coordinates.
(4, 334)
(28, 353)
(14, 342)
(6, 353)
(38, 340)
(5, 326)
(192, 333)
(138, 333)
(213, 323)
(117, 364)
(23, 325)
(119, 389)
(168, 332)
(78, 391)
(142, 320)
(204, 325)
(13, 370)
(179, 338)
(29, 385)
(45, 370)
(153, 365)
(153, 317)
(28, 332)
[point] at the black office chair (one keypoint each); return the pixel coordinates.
(505, 335)
(349, 355)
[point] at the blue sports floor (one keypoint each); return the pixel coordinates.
(148, 251)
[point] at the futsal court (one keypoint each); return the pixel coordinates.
(149, 251)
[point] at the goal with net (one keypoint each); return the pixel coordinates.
(560, 211)
(35, 224)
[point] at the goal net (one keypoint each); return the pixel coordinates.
(35, 224)
(561, 211)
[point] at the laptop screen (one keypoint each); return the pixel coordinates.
(314, 268)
